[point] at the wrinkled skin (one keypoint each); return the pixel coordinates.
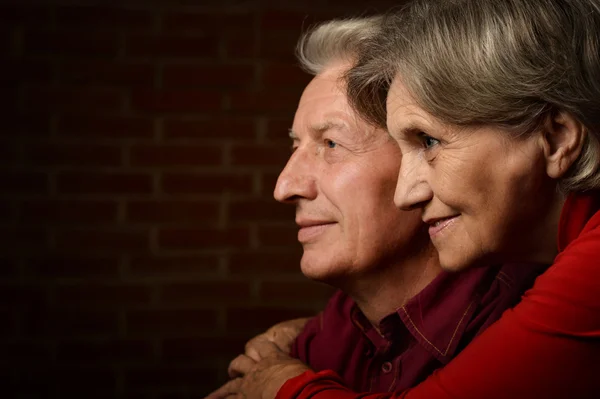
(260, 376)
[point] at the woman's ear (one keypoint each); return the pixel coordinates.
(563, 140)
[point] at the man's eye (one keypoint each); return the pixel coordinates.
(330, 143)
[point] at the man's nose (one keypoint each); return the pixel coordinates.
(297, 180)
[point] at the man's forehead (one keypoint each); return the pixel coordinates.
(319, 128)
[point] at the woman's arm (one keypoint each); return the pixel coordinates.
(547, 347)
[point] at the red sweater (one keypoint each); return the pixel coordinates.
(547, 347)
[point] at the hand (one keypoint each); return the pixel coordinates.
(281, 335)
(262, 379)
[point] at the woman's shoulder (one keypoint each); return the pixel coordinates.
(566, 298)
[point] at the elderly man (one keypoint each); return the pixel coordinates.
(396, 317)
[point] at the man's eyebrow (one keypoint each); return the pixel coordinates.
(323, 127)
(318, 129)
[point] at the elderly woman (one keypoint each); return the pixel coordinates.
(496, 107)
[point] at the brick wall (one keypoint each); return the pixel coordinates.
(140, 246)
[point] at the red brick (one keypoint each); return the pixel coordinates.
(106, 241)
(47, 99)
(178, 238)
(173, 211)
(9, 267)
(97, 295)
(32, 124)
(25, 352)
(160, 378)
(278, 129)
(9, 99)
(285, 74)
(201, 292)
(220, 128)
(261, 318)
(19, 182)
(261, 154)
(47, 380)
(174, 101)
(176, 155)
(223, 76)
(22, 295)
(209, 21)
(104, 183)
(56, 154)
(268, 183)
(8, 212)
(293, 20)
(20, 238)
(257, 210)
(72, 322)
(173, 46)
(281, 236)
(279, 45)
(109, 351)
(196, 183)
(28, 15)
(265, 101)
(29, 71)
(198, 348)
(68, 212)
(71, 43)
(240, 47)
(9, 323)
(170, 321)
(175, 265)
(118, 127)
(8, 152)
(104, 18)
(107, 73)
(76, 382)
(262, 262)
(295, 292)
(74, 267)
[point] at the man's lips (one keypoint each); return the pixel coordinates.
(310, 229)
(437, 225)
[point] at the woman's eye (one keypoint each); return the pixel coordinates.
(429, 141)
(330, 143)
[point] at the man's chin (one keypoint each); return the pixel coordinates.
(321, 272)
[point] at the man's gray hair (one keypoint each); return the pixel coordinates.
(510, 63)
(333, 41)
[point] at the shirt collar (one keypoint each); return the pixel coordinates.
(438, 316)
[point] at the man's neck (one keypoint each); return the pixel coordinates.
(390, 287)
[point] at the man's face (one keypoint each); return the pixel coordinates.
(341, 177)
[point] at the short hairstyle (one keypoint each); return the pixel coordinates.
(334, 40)
(510, 63)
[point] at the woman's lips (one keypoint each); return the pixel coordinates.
(439, 225)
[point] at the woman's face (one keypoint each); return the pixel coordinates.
(483, 191)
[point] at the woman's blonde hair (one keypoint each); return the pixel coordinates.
(510, 63)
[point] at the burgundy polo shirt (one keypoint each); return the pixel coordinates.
(421, 336)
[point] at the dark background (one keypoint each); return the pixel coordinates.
(140, 246)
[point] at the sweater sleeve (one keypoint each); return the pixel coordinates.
(547, 347)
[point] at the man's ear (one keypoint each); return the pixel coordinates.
(563, 140)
